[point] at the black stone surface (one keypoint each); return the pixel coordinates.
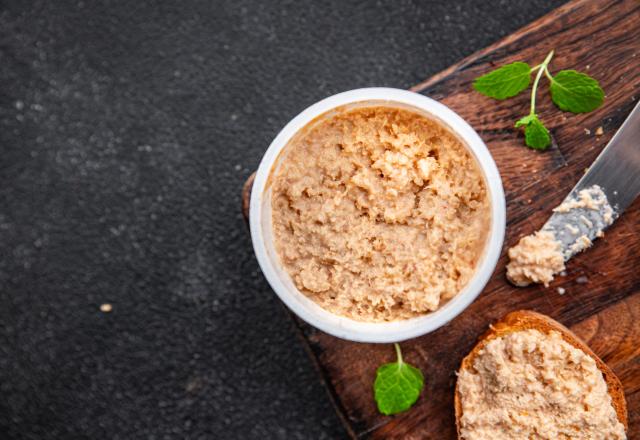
(126, 131)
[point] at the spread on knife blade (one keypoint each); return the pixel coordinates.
(580, 219)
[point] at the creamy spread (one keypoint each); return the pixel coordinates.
(572, 229)
(379, 213)
(538, 257)
(529, 385)
(588, 223)
(589, 198)
(581, 244)
(535, 259)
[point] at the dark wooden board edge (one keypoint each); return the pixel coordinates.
(246, 196)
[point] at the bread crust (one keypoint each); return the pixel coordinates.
(524, 320)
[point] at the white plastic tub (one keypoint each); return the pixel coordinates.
(340, 326)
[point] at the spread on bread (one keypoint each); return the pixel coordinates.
(533, 385)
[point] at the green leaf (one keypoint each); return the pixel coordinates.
(526, 120)
(576, 92)
(397, 387)
(536, 134)
(504, 82)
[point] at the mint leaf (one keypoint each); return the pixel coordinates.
(398, 385)
(576, 92)
(505, 82)
(536, 134)
(526, 120)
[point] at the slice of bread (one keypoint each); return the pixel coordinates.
(525, 320)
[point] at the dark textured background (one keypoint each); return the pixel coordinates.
(126, 131)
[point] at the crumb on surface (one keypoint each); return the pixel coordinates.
(582, 280)
(561, 290)
(587, 131)
(106, 308)
(599, 131)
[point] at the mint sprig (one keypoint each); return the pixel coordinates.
(571, 91)
(398, 385)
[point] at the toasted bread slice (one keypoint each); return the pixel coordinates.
(525, 320)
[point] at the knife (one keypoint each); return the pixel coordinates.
(610, 185)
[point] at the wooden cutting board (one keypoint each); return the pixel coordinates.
(602, 299)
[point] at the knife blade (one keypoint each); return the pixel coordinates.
(610, 185)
